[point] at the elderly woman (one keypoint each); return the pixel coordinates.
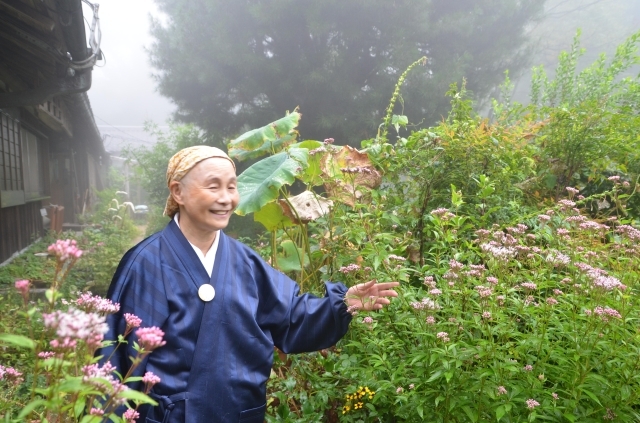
(222, 308)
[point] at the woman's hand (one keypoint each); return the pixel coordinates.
(370, 295)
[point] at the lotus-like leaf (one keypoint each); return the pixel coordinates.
(350, 172)
(269, 139)
(260, 184)
(305, 207)
(292, 258)
(272, 217)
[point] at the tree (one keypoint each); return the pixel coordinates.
(234, 64)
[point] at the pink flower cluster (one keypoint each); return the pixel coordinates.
(600, 278)
(74, 325)
(518, 229)
(115, 387)
(531, 403)
(132, 320)
(150, 338)
(130, 415)
(367, 320)
(443, 336)
(10, 374)
(558, 259)
(483, 291)
(500, 253)
(150, 380)
(629, 231)
(529, 286)
(429, 282)
(425, 304)
(23, 287)
(605, 313)
(442, 213)
(65, 249)
(349, 269)
(502, 390)
(397, 258)
(572, 191)
(96, 304)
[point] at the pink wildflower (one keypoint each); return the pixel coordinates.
(435, 292)
(133, 321)
(528, 368)
(150, 338)
(486, 315)
(572, 191)
(149, 380)
(96, 304)
(46, 354)
(65, 250)
(75, 325)
(96, 412)
(130, 415)
(442, 213)
(492, 280)
(23, 287)
(367, 320)
(455, 265)
(431, 320)
(502, 390)
(531, 404)
(552, 301)
(411, 386)
(443, 336)
(429, 282)
(349, 269)
(544, 218)
(529, 286)
(555, 396)
(399, 390)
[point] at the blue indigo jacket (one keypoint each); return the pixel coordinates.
(218, 354)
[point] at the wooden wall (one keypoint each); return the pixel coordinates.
(19, 227)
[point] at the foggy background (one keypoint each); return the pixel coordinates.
(124, 96)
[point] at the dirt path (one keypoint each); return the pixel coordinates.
(142, 229)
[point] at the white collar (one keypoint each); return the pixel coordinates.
(209, 259)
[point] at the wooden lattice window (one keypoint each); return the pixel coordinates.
(10, 154)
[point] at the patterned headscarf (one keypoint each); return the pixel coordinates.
(182, 162)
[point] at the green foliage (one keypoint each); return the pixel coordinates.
(337, 60)
(48, 370)
(588, 120)
(513, 307)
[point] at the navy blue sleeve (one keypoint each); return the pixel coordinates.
(300, 323)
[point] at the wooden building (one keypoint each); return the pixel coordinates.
(51, 152)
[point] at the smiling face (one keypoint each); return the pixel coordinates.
(207, 195)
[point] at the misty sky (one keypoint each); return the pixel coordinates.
(124, 95)
(123, 91)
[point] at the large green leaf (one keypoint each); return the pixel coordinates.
(17, 340)
(269, 139)
(271, 216)
(260, 184)
(313, 173)
(290, 260)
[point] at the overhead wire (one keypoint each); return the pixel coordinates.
(118, 129)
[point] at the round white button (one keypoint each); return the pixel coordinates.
(206, 292)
